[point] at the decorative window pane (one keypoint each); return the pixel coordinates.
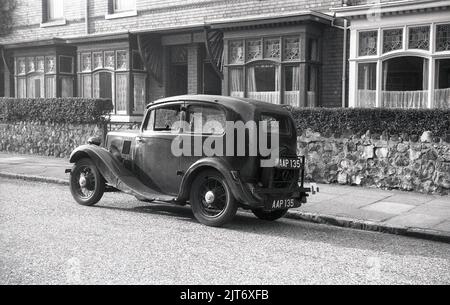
(139, 93)
(254, 50)
(291, 48)
(272, 48)
(121, 92)
(178, 54)
(86, 62)
(236, 52)
(66, 64)
(236, 82)
(110, 59)
(66, 86)
(98, 60)
(30, 65)
(368, 43)
(86, 86)
(50, 64)
(419, 38)
(392, 40)
(122, 60)
(443, 37)
(40, 64)
(50, 86)
(137, 61)
(21, 66)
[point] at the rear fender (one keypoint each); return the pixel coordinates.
(221, 166)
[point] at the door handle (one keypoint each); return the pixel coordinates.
(139, 139)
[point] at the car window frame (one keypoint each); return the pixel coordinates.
(207, 105)
(152, 111)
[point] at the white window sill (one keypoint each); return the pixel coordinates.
(57, 22)
(121, 15)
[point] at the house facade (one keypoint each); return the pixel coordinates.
(303, 53)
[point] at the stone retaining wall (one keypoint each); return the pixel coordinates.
(49, 139)
(422, 165)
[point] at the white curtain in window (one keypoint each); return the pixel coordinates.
(55, 9)
(266, 96)
(124, 5)
(291, 97)
(122, 92)
(139, 93)
(236, 80)
(425, 74)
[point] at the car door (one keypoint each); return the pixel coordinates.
(204, 121)
(155, 164)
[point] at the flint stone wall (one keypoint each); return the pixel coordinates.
(421, 166)
(47, 139)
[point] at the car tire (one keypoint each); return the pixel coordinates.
(269, 215)
(87, 185)
(211, 199)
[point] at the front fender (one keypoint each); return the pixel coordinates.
(107, 164)
(222, 166)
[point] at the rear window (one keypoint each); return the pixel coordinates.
(283, 121)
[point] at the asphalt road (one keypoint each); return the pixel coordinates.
(46, 238)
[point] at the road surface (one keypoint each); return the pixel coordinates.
(46, 238)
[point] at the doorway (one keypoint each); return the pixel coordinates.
(212, 83)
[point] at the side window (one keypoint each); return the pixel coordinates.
(206, 119)
(164, 118)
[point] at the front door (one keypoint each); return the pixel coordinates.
(155, 164)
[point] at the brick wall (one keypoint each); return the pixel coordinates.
(331, 76)
(152, 14)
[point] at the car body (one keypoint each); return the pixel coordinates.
(142, 162)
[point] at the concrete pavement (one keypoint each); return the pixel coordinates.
(394, 211)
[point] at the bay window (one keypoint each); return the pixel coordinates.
(278, 70)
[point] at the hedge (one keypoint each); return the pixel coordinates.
(377, 120)
(55, 110)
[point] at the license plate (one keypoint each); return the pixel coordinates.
(283, 204)
(292, 163)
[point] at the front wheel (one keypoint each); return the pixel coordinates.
(269, 215)
(86, 183)
(211, 199)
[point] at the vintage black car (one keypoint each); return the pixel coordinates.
(142, 162)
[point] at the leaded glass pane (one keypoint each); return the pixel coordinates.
(368, 43)
(21, 66)
(291, 48)
(419, 38)
(86, 62)
(254, 50)
(392, 40)
(236, 52)
(272, 48)
(50, 64)
(109, 59)
(30, 64)
(40, 65)
(98, 60)
(443, 37)
(122, 60)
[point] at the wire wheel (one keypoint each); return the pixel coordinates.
(211, 199)
(86, 183)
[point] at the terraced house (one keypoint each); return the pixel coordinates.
(319, 53)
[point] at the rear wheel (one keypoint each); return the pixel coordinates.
(211, 199)
(269, 215)
(86, 183)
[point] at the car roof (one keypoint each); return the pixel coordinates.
(238, 104)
